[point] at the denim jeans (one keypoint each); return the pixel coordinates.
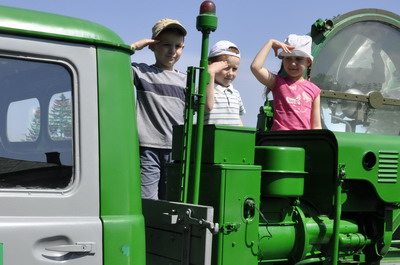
(153, 173)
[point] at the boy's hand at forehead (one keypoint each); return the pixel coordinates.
(142, 43)
(216, 67)
(276, 45)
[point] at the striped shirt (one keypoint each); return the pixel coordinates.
(228, 107)
(160, 104)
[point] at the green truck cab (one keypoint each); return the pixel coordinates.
(68, 143)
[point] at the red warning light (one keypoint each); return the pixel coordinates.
(207, 7)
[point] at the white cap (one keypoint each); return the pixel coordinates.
(302, 44)
(222, 48)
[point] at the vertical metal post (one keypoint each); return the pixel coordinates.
(204, 79)
(206, 22)
(187, 133)
(338, 213)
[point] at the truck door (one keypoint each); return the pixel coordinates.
(49, 172)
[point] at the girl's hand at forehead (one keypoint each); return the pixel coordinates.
(276, 45)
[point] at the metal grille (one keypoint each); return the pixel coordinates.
(388, 166)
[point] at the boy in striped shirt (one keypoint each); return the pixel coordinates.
(160, 91)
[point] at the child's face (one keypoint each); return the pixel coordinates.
(226, 76)
(168, 50)
(295, 66)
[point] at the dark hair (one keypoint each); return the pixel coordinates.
(282, 72)
(309, 72)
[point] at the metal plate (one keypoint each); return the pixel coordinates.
(176, 233)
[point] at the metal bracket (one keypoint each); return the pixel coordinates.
(170, 218)
(375, 99)
(213, 227)
(342, 172)
(230, 227)
(174, 218)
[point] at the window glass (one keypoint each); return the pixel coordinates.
(27, 112)
(60, 116)
(361, 59)
(36, 124)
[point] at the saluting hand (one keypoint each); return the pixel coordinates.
(276, 45)
(142, 43)
(216, 67)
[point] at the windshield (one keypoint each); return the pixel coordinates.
(359, 73)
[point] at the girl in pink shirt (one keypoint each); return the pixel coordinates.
(296, 99)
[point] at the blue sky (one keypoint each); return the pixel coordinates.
(249, 24)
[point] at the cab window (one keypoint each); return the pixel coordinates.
(361, 62)
(36, 124)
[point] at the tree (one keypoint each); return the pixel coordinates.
(34, 130)
(60, 119)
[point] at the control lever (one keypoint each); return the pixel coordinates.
(213, 227)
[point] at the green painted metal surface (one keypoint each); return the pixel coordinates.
(338, 195)
(206, 23)
(25, 22)
(221, 144)
(321, 163)
(282, 170)
(342, 183)
(121, 210)
(237, 242)
(376, 162)
(186, 133)
(295, 233)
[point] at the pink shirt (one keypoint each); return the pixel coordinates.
(293, 104)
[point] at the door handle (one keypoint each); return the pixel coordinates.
(80, 247)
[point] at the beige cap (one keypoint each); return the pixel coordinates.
(167, 23)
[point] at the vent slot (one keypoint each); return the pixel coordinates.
(388, 166)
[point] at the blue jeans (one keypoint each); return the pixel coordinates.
(153, 173)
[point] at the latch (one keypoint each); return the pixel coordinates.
(175, 218)
(229, 228)
(213, 227)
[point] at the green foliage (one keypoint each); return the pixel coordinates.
(34, 130)
(60, 121)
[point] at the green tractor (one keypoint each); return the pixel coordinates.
(69, 155)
